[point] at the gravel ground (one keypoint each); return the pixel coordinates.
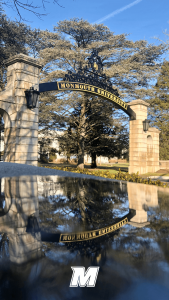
(14, 170)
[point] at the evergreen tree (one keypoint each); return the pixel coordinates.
(130, 65)
(13, 37)
(159, 110)
(68, 142)
(105, 135)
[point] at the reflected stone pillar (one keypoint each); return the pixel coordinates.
(141, 196)
(21, 220)
(24, 246)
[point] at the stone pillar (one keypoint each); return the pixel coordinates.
(20, 123)
(138, 138)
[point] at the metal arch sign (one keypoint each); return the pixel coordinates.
(85, 87)
(93, 234)
(89, 235)
(91, 89)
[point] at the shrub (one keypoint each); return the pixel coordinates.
(119, 176)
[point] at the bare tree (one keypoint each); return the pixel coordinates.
(27, 5)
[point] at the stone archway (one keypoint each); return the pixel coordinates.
(21, 129)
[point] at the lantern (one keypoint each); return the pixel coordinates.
(31, 97)
(146, 125)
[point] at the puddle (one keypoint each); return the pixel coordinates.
(35, 263)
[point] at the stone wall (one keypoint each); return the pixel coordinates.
(164, 164)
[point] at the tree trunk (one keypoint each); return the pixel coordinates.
(94, 165)
(82, 124)
(69, 132)
(81, 199)
(68, 158)
(80, 163)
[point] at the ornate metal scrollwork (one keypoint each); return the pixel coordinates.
(92, 74)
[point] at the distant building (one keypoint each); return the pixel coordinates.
(46, 142)
(99, 159)
(54, 143)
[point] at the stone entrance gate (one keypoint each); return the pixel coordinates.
(21, 123)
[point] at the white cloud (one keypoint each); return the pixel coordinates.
(117, 11)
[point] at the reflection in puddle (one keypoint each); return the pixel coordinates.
(19, 218)
(34, 211)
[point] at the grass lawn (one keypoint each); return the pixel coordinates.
(112, 168)
(154, 174)
(119, 165)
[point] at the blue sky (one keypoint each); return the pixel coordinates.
(142, 19)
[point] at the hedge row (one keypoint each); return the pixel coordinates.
(119, 176)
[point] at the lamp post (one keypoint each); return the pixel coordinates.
(31, 97)
(146, 125)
